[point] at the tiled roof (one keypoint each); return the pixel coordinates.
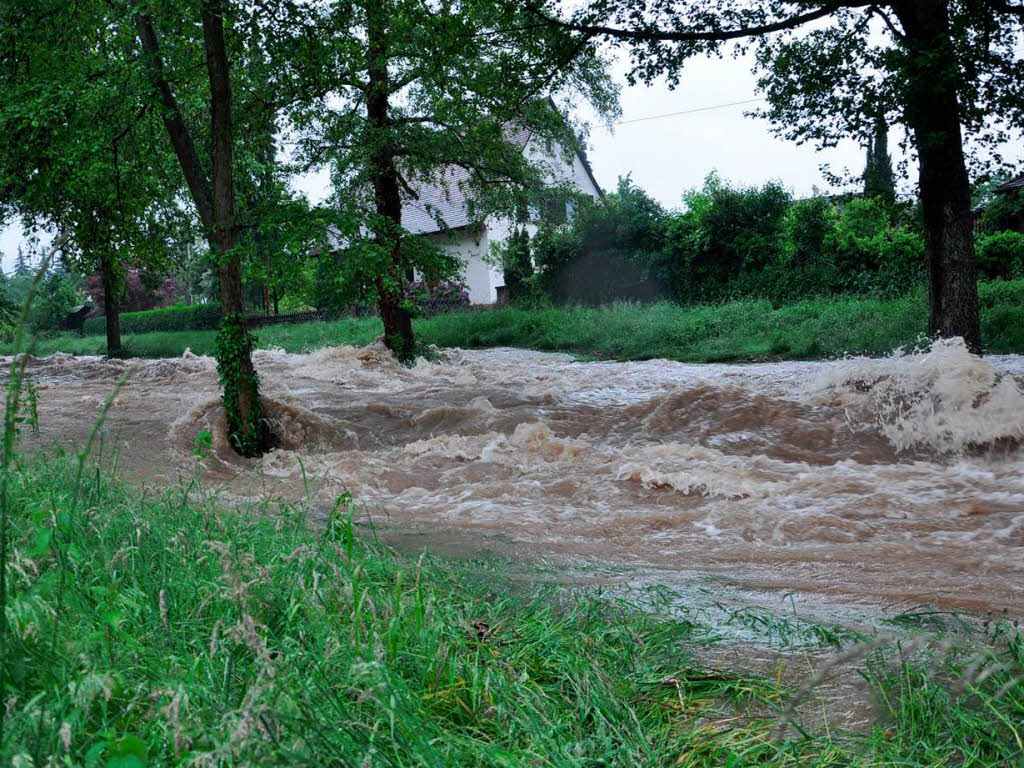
(445, 197)
(1012, 185)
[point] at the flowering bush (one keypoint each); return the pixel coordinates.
(140, 292)
(418, 290)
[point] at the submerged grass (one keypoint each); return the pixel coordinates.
(739, 330)
(170, 631)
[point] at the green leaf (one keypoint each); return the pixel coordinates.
(42, 544)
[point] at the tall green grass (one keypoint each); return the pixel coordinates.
(165, 630)
(739, 330)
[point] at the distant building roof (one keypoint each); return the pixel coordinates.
(1011, 186)
(445, 198)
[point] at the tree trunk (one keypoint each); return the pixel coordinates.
(111, 312)
(234, 347)
(261, 247)
(933, 114)
(216, 207)
(398, 334)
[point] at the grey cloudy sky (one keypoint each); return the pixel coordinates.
(670, 155)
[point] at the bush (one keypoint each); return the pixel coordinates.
(608, 252)
(197, 317)
(1001, 255)
(55, 298)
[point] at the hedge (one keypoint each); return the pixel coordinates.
(197, 317)
(993, 293)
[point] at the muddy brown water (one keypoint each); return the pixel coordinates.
(868, 484)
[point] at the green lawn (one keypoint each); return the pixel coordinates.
(160, 630)
(740, 330)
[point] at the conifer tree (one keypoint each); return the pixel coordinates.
(21, 265)
(879, 179)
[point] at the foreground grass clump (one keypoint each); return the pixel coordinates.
(738, 330)
(166, 631)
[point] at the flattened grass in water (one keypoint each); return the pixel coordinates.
(739, 330)
(168, 631)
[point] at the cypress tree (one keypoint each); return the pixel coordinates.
(879, 179)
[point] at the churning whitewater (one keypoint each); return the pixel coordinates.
(873, 482)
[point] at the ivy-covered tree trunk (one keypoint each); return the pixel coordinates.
(933, 114)
(215, 204)
(111, 312)
(234, 346)
(398, 333)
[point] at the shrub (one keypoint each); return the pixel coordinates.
(514, 258)
(55, 298)
(197, 317)
(900, 264)
(1001, 255)
(723, 241)
(608, 252)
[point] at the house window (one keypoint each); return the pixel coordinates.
(555, 211)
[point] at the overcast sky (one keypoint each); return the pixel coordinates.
(669, 155)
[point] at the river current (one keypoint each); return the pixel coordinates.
(882, 483)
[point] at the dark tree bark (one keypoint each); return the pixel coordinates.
(261, 248)
(933, 114)
(398, 334)
(111, 312)
(215, 204)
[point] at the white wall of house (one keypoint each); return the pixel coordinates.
(471, 245)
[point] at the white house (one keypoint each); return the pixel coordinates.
(471, 240)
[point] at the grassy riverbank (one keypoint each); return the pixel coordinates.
(165, 631)
(741, 330)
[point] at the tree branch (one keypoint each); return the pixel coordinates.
(877, 11)
(181, 139)
(595, 30)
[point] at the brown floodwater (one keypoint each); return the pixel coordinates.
(869, 484)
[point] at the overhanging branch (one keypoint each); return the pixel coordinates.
(696, 36)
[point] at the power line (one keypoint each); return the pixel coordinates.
(689, 111)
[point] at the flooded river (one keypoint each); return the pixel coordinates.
(878, 484)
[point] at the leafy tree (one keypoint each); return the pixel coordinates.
(1004, 211)
(829, 68)
(390, 118)
(84, 164)
(142, 291)
(724, 234)
(1001, 255)
(55, 297)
